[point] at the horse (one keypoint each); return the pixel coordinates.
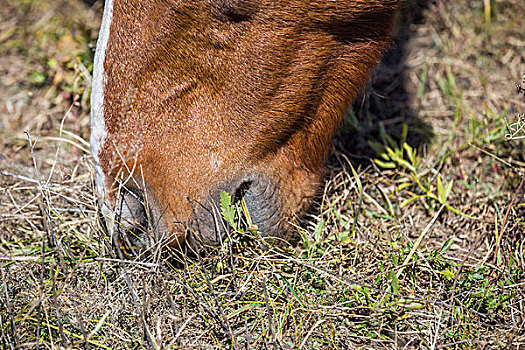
(192, 98)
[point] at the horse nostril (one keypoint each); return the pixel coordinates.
(242, 189)
(131, 222)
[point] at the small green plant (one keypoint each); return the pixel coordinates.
(229, 210)
(235, 212)
(406, 160)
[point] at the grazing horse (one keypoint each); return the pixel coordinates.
(191, 98)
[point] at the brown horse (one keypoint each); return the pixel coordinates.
(194, 97)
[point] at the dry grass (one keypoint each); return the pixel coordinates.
(417, 242)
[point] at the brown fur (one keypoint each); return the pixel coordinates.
(206, 95)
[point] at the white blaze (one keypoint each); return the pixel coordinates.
(98, 125)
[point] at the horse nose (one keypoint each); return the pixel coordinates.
(138, 225)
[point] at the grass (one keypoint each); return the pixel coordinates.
(417, 240)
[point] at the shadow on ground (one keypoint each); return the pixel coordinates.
(384, 109)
